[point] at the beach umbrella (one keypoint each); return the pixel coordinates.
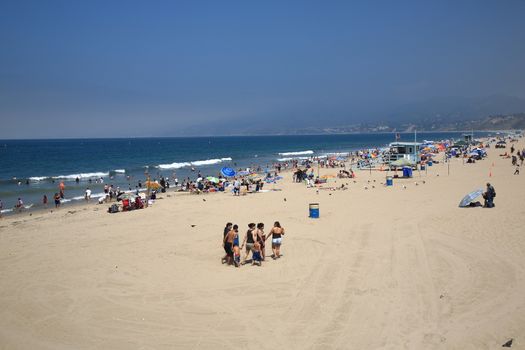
(152, 185)
(228, 172)
(470, 197)
(129, 196)
(212, 179)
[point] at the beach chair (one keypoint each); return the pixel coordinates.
(138, 203)
(126, 205)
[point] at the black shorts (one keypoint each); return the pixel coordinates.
(228, 249)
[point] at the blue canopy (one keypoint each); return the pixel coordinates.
(228, 172)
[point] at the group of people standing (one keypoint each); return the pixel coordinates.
(254, 242)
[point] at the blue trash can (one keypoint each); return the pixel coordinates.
(422, 167)
(314, 210)
(429, 163)
(389, 181)
(407, 172)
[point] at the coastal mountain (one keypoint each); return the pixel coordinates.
(497, 112)
(455, 113)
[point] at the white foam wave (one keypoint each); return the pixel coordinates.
(38, 178)
(194, 163)
(6, 211)
(296, 153)
(81, 176)
(120, 171)
(174, 165)
(207, 162)
(292, 158)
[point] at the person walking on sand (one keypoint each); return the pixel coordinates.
(236, 250)
(256, 254)
(227, 229)
(276, 233)
(228, 244)
(261, 238)
(249, 239)
(44, 200)
(517, 171)
(489, 196)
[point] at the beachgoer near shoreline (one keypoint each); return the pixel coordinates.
(227, 229)
(57, 200)
(276, 233)
(44, 200)
(87, 195)
(1, 207)
(261, 238)
(228, 244)
(236, 187)
(19, 204)
(249, 240)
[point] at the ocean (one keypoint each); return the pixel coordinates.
(31, 168)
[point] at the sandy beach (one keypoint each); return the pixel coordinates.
(382, 268)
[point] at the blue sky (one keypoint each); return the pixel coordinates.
(125, 68)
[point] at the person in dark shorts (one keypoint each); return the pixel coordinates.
(228, 244)
(57, 200)
(489, 196)
(227, 229)
(261, 238)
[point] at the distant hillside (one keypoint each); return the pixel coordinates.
(497, 112)
(495, 122)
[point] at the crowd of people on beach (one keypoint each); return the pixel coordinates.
(253, 241)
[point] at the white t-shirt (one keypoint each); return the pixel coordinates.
(88, 193)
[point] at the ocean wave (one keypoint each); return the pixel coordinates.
(292, 158)
(6, 211)
(81, 176)
(120, 171)
(194, 163)
(38, 178)
(296, 153)
(69, 177)
(173, 165)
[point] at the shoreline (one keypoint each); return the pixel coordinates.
(119, 178)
